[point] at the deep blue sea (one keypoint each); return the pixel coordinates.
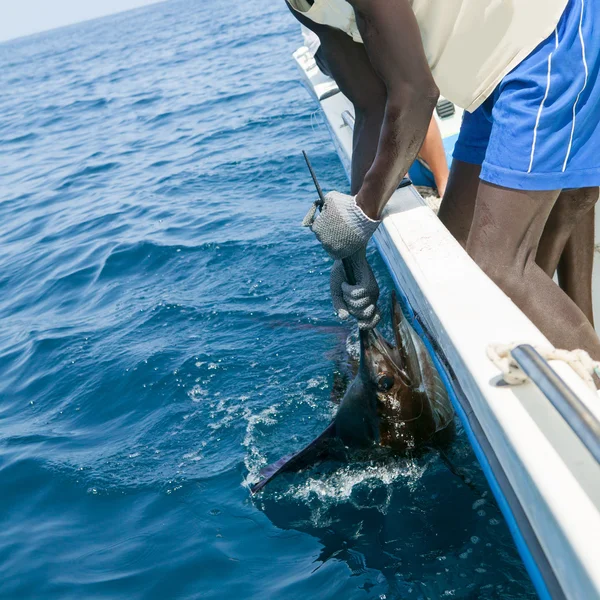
(167, 331)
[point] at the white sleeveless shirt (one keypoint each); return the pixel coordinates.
(470, 45)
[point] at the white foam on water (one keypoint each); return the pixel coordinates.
(254, 459)
(197, 454)
(197, 393)
(226, 411)
(317, 382)
(339, 486)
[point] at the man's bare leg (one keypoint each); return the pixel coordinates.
(458, 203)
(433, 153)
(504, 238)
(576, 265)
(568, 244)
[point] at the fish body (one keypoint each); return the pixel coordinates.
(397, 401)
(415, 410)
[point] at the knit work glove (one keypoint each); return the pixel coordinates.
(358, 300)
(342, 227)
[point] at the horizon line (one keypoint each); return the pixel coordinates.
(80, 21)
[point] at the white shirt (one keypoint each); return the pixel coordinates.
(470, 45)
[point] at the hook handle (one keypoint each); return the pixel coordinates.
(319, 203)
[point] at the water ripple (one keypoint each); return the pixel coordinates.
(167, 330)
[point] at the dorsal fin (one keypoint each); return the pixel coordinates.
(403, 334)
(317, 450)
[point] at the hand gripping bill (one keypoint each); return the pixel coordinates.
(342, 227)
(358, 300)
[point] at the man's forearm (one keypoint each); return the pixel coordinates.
(367, 128)
(393, 42)
(434, 154)
(404, 127)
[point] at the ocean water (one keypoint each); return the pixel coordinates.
(167, 330)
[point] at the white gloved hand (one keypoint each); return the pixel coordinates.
(342, 227)
(358, 300)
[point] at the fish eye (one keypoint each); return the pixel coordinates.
(385, 382)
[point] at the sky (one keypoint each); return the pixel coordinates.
(23, 17)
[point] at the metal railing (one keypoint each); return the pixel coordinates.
(577, 415)
(348, 119)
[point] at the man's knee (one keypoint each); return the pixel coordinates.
(573, 204)
(588, 197)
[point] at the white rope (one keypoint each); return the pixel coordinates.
(579, 360)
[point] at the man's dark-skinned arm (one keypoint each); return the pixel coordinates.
(347, 61)
(393, 42)
(402, 98)
(349, 65)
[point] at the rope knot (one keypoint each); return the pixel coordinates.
(579, 360)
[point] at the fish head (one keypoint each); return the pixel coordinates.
(382, 365)
(400, 375)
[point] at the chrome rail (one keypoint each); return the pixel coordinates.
(348, 119)
(577, 415)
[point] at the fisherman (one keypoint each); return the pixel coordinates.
(431, 170)
(526, 166)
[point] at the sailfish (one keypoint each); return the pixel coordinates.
(396, 401)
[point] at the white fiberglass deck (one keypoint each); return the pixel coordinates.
(546, 481)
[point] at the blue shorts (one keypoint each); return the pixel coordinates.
(540, 129)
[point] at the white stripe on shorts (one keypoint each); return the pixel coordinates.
(537, 121)
(585, 81)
